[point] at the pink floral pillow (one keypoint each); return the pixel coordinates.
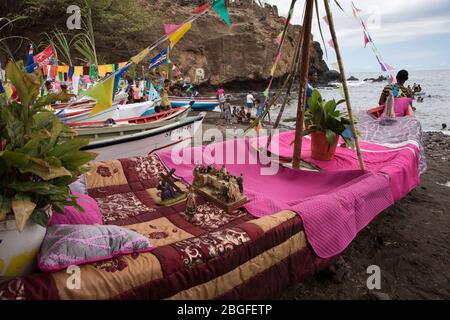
(67, 245)
(91, 214)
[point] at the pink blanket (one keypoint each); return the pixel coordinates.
(334, 206)
(399, 162)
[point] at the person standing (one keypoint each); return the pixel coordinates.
(250, 101)
(165, 102)
(220, 94)
(227, 111)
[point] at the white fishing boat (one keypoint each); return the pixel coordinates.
(116, 112)
(147, 141)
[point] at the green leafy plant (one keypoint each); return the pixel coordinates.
(39, 155)
(324, 116)
(85, 41)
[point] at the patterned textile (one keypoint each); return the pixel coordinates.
(65, 245)
(212, 255)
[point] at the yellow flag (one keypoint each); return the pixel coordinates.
(140, 56)
(102, 92)
(78, 70)
(179, 33)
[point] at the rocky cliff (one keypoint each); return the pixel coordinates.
(241, 54)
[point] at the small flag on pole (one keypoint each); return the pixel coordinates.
(179, 33)
(221, 8)
(366, 39)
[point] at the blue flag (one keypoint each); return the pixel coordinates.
(159, 59)
(31, 65)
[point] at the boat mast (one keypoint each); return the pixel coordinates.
(305, 38)
(344, 81)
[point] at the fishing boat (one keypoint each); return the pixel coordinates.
(198, 103)
(140, 142)
(116, 112)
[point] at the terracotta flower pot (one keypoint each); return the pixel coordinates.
(320, 148)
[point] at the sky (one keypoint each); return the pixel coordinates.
(409, 34)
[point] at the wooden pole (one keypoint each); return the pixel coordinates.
(344, 81)
(305, 37)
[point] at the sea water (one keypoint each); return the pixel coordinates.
(432, 112)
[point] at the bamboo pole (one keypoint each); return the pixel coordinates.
(305, 37)
(344, 81)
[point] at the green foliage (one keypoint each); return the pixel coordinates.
(324, 116)
(39, 155)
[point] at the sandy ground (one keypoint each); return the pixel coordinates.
(410, 241)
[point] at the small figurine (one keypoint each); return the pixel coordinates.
(240, 182)
(169, 190)
(190, 203)
(233, 190)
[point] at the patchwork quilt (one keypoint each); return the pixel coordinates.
(213, 255)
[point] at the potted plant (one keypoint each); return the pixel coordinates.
(39, 158)
(325, 123)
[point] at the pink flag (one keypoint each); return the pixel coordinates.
(331, 43)
(278, 38)
(366, 40)
(278, 58)
(43, 58)
(171, 28)
(389, 68)
(325, 18)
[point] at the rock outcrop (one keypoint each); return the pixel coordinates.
(211, 53)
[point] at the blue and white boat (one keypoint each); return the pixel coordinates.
(197, 103)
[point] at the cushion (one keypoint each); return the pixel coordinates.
(65, 245)
(79, 186)
(91, 214)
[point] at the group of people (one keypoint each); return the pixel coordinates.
(239, 114)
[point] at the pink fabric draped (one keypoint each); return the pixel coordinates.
(334, 206)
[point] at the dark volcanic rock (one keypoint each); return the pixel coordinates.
(352, 78)
(330, 75)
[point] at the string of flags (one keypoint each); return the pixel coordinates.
(367, 39)
(279, 40)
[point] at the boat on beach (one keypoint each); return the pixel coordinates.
(116, 112)
(197, 103)
(140, 141)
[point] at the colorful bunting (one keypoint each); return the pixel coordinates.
(331, 43)
(202, 8)
(178, 34)
(140, 56)
(159, 59)
(102, 92)
(45, 57)
(31, 65)
(221, 8)
(366, 39)
(171, 28)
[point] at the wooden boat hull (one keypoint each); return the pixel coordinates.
(115, 112)
(198, 103)
(97, 131)
(145, 142)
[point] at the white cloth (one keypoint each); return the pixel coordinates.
(250, 98)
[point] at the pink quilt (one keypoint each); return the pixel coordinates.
(334, 205)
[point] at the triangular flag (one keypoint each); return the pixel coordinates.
(102, 92)
(221, 8)
(31, 65)
(383, 68)
(202, 8)
(140, 56)
(389, 67)
(325, 18)
(331, 43)
(266, 93)
(171, 28)
(278, 38)
(366, 39)
(178, 34)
